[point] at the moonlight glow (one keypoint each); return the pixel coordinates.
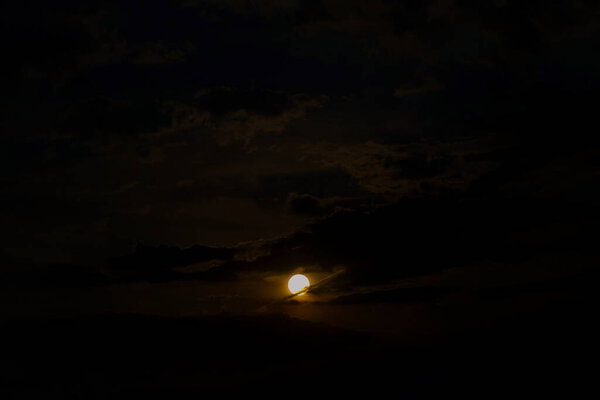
(298, 283)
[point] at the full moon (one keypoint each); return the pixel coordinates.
(298, 283)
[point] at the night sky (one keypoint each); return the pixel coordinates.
(167, 165)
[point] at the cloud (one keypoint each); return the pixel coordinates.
(388, 243)
(400, 295)
(164, 263)
(306, 204)
(105, 94)
(238, 116)
(426, 86)
(366, 162)
(415, 237)
(408, 170)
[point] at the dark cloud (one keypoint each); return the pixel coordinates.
(576, 284)
(216, 123)
(160, 263)
(238, 116)
(404, 169)
(403, 295)
(307, 204)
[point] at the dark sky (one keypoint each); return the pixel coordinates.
(221, 122)
(184, 157)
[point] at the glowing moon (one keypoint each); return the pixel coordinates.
(298, 283)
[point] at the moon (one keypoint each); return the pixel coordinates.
(298, 283)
